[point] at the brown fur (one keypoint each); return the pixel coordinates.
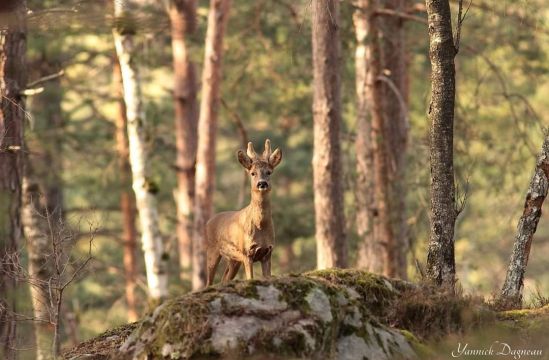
(245, 236)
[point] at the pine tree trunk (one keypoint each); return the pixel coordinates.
(207, 128)
(395, 97)
(327, 172)
(182, 15)
(378, 250)
(511, 294)
(368, 249)
(127, 199)
(143, 186)
(12, 116)
(440, 259)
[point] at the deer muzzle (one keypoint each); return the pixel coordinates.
(263, 185)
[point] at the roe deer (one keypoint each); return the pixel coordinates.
(247, 235)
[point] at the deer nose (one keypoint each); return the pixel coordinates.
(262, 185)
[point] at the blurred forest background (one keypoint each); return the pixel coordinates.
(502, 86)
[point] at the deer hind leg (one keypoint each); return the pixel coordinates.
(212, 260)
(230, 272)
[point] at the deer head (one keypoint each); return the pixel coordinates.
(260, 167)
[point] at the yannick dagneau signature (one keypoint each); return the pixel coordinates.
(497, 348)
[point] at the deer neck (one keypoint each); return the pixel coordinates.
(260, 208)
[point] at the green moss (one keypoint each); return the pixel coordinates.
(422, 350)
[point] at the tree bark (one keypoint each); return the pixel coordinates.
(440, 258)
(395, 98)
(511, 294)
(182, 15)
(127, 199)
(143, 186)
(365, 205)
(207, 128)
(328, 188)
(37, 222)
(378, 251)
(12, 115)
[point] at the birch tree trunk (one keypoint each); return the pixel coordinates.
(511, 294)
(127, 199)
(207, 128)
(37, 233)
(395, 98)
(143, 186)
(327, 172)
(440, 258)
(12, 115)
(182, 15)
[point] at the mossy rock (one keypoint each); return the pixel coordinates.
(318, 315)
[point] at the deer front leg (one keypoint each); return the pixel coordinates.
(249, 268)
(266, 263)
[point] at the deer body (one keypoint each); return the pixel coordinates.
(247, 235)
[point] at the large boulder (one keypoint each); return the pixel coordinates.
(330, 314)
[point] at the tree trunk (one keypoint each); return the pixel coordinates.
(327, 172)
(182, 15)
(378, 250)
(143, 186)
(440, 259)
(36, 223)
(12, 115)
(207, 127)
(368, 249)
(511, 294)
(395, 97)
(127, 199)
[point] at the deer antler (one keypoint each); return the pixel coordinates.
(267, 152)
(251, 152)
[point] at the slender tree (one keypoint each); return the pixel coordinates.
(182, 15)
(442, 50)
(327, 169)
(127, 198)
(12, 115)
(511, 294)
(207, 128)
(378, 249)
(143, 186)
(395, 99)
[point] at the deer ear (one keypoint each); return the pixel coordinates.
(275, 158)
(244, 159)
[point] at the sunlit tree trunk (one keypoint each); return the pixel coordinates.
(143, 186)
(511, 294)
(12, 115)
(327, 168)
(378, 250)
(368, 249)
(207, 127)
(37, 222)
(440, 258)
(127, 199)
(395, 98)
(182, 15)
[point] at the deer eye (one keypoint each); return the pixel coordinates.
(268, 173)
(253, 174)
